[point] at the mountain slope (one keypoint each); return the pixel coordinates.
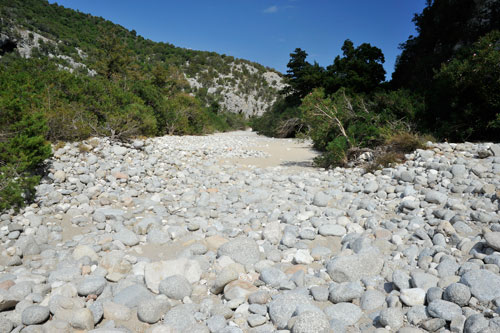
(77, 41)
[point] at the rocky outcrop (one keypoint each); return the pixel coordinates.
(246, 89)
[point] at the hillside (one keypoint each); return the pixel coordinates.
(68, 76)
(77, 41)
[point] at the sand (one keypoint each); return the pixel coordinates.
(293, 153)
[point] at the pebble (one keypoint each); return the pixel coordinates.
(444, 310)
(176, 287)
(392, 317)
(35, 314)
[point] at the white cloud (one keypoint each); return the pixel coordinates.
(270, 10)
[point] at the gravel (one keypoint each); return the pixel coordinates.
(172, 232)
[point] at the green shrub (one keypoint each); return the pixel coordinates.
(132, 120)
(341, 124)
(16, 188)
(464, 102)
(22, 151)
(182, 114)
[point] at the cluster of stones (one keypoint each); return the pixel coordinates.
(158, 236)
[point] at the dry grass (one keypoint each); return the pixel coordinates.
(83, 148)
(405, 142)
(395, 148)
(384, 160)
(59, 145)
(94, 142)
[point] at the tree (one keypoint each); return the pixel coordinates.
(114, 56)
(464, 101)
(360, 69)
(444, 28)
(302, 77)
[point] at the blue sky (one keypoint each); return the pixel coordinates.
(262, 30)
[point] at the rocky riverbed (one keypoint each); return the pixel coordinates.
(176, 234)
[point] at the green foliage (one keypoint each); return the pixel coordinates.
(16, 189)
(25, 145)
(397, 105)
(453, 62)
(282, 120)
(360, 69)
(182, 114)
(343, 123)
(444, 28)
(301, 76)
(464, 102)
(23, 149)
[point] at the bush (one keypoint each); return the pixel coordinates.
(22, 151)
(282, 120)
(182, 114)
(132, 120)
(464, 102)
(342, 126)
(16, 188)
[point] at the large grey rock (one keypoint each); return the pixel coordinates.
(372, 299)
(180, 317)
(332, 230)
(476, 323)
(242, 250)
(458, 170)
(133, 295)
(283, 306)
(119, 150)
(493, 240)
(417, 314)
(151, 311)
(216, 323)
(483, 284)
(401, 279)
(6, 325)
(28, 246)
(444, 310)
(127, 237)
(82, 319)
(91, 285)
(433, 294)
(272, 276)
(156, 272)
(423, 280)
(392, 317)
(227, 275)
(354, 267)
(175, 287)
(35, 314)
(311, 321)
(321, 199)
(346, 313)
(413, 296)
(457, 293)
(436, 197)
(345, 292)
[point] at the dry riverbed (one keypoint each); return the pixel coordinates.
(235, 232)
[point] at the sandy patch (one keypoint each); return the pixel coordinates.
(293, 153)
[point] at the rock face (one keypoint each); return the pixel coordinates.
(252, 102)
(162, 235)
